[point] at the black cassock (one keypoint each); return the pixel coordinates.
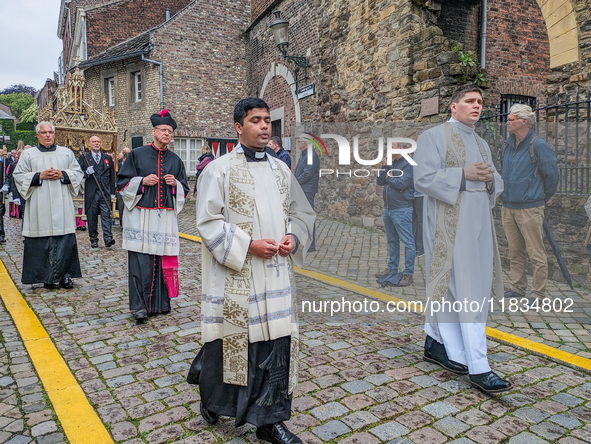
(147, 288)
(265, 400)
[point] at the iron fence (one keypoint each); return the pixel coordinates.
(565, 124)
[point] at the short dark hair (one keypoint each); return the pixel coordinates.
(277, 141)
(459, 93)
(245, 105)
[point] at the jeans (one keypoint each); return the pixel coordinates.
(417, 223)
(398, 224)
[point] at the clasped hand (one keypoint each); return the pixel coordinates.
(481, 171)
(267, 248)
(152, 179)
(51, 174)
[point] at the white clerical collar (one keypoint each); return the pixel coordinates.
(462, 126)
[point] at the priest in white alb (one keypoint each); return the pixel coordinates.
(47, 177)
(455, 172)
(255, 222)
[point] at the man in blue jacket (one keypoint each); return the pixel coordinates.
(307, 176)
(529, 184)
(398, 194)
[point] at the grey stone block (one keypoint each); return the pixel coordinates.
(531, 414)
(568, 421)
(440, 409)
(389, 431)
(424, 380)
(44, 428)
(526, 438)
(359, 419)
(567, 400)
(391, 352)
(451, 426)
(120, 381)
(358, 386)
(548, 431)
(328, 411)
(169, 380)
(330, 430)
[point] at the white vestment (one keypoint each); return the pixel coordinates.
(49, 208)
(226, 246)
(150, 230)
(472, 267)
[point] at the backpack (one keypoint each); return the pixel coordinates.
(533, 154)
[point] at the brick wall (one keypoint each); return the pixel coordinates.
(258, 7)
(132, 119)
(116, 22)
(517, 49)
(460, 22)
(204, 66)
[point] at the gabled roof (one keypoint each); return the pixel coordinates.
(138, 45)
(5, 116)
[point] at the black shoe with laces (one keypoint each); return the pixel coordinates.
(435, 353)
(277, 433)
(110, 243)
(490, 382)
(67, 282)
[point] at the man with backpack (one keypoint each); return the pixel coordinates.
(530, 174)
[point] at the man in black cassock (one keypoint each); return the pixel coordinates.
(153, 185)
(47, 177)
(97, 198)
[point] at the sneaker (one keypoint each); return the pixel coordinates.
(405, 281)
(513, 294)
(383, 274)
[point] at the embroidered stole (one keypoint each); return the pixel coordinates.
(447, 224)
(240, 211)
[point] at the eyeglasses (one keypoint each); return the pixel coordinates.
(46, 132)
(164, 131)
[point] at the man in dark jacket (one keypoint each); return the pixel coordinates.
(528, 186)
(98, 200)
(398, 194)
(276, 145)
(307, 176)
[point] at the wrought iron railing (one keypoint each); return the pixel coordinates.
(565, 124)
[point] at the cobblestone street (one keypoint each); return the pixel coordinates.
(361, 380)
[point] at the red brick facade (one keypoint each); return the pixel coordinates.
(109, 25)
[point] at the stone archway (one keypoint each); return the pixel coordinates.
(278, 69)
(563, 33)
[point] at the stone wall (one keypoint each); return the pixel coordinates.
(576, 75)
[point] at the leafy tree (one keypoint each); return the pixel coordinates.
(18, 102)
(19, 89)
(29, 115)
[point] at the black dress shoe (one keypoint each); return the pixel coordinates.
(49, 286)
(67, 282)
(490, 382)
(94, 245)
(513, 294)
(140, 315)
(2, 239)
(110, 243)
(435, 353)
(209, 417)
(277, 434)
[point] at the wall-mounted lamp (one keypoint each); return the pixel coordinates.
(279, 28)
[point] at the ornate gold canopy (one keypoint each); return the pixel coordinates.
(75, 120)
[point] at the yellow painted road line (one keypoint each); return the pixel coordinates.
(79, 420)
(527, 344)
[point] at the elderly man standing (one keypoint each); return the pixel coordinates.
(254, 221)
(531, 176)
(47, 177)
(454, 171)
(307, 176)
(99, 172)
(153, 185)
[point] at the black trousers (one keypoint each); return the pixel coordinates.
(99, 207)
(417, 223)
(147, 288)
(243, 403)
